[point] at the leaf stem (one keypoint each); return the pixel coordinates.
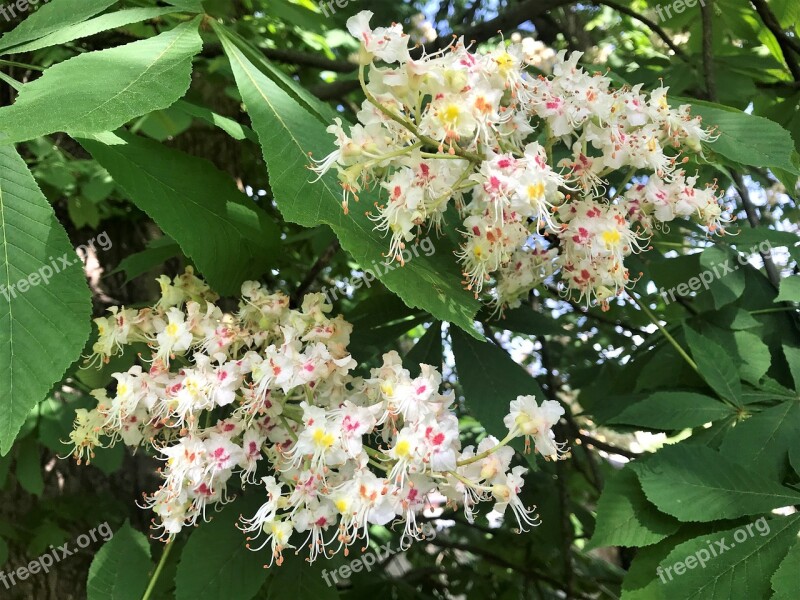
(154, 579)
(666, 333)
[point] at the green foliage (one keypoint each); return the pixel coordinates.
(121, 567)
(626, 518)
(695, 483)
(129, 81)
(229, 239)
(43, 326)
(215, 564)
(190, 126)
(51, 18)
(288, 133)
(673, 410)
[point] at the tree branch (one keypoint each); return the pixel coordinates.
(652, 25)
(708, 50)
(786, 43)
(309, 59)
(316, 269)
(752, 218)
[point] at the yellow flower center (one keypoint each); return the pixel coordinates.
(322, 439)
(451, 114)
(402, 449)
(505, 63)
(172, 329)
(536, 191)
(611, 237)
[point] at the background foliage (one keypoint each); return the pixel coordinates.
(182, 129)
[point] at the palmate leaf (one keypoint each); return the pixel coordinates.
(121, 568)
(694, 483)
(216, 564)
(740, 572)
(715, 365)
(288, 133)
(127, 81)
(626, 518)
(786, 580)
(92, 26)
(228, 237)
(43, 329)
(491, 380)
(673, 410)
(297, 579)
(746, 139)
(763, 441)
(51, 17)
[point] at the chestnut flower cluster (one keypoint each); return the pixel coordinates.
(477, 131)
(266, 394)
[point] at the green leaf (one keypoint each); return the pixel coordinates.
(755, 355)
(127, 81)
(740, 572)
(789, 290)
(526, 320)
(29, 467)
(288, 133)
(155, 255)
(793, 358)
(121, 568)
(762, 442)
(786, 580)
(227, 236)
(51, 17)
(83, 212)
(427, 351)
(626, 518)
(93, 26)
(296, 580)
(321, 110)
(694, 483)
(162, 125)
(749, 239)
(715, 366)
(747, 139)
(43, 327)
(729, 286)
(490, 380)
(673, 410)
(188, 5)
(229, 126)
(216, 564)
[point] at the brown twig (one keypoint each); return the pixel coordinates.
(708, 49)
(315, 270)
(652, 25)
(787, 44)
(752, 217)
